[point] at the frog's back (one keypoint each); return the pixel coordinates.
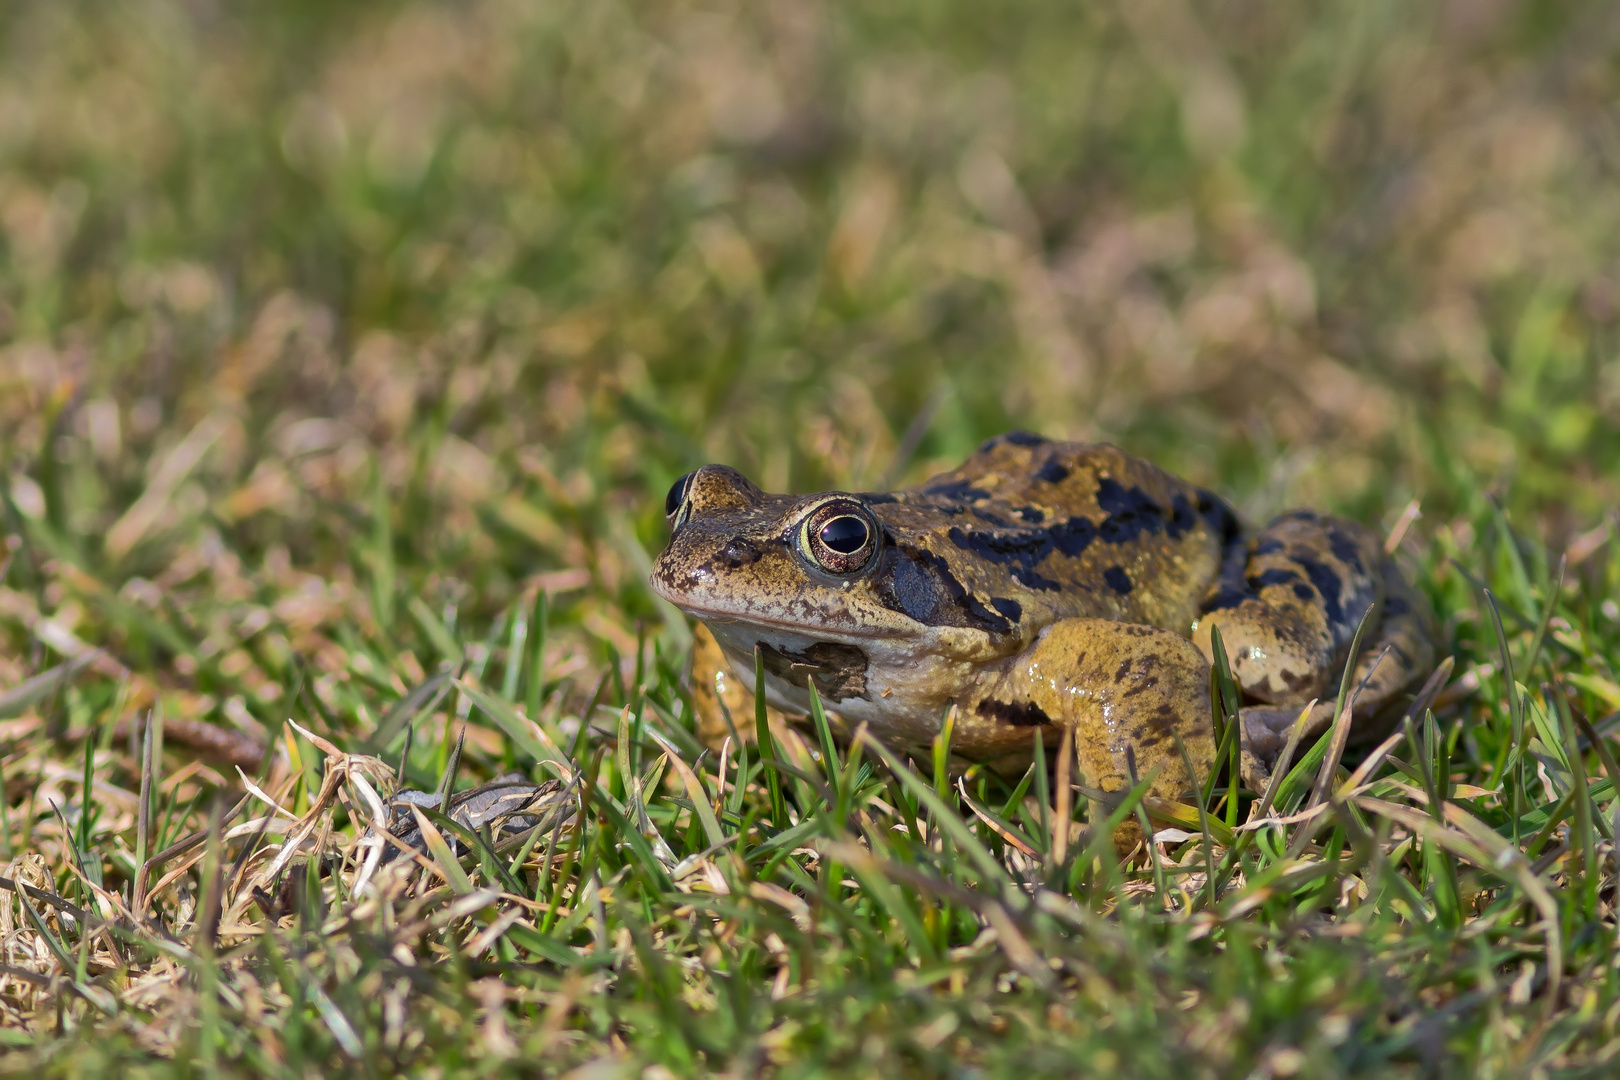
(1035, 531)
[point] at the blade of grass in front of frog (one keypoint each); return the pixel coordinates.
(517, 636)
(143, 814)
(1440, 870)
(1101, 844)
(1043, 793)
(1349, 673)
(404, 756)
(1515, 715)
(1018, 792)
(535, 657)
(1582, 834)
(829, 752)
(855, 774)
(1223, 749)
(739, 788)
(942, 751)
(447, 783)
(767, 744)
(449, 868)
(942, 781)
(1231, 706)
(85, 801)
(1063, 811)
(621, 755)
(1203, 822)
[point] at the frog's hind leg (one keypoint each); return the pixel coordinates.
(1288, 609)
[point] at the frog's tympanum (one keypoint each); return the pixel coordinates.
(1044, 585)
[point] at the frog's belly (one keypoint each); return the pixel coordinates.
(901, 693)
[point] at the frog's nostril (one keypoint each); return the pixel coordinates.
(739, 552)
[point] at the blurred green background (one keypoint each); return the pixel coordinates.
(435, 300)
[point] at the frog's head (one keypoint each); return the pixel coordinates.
(804, 563)
(843, 585)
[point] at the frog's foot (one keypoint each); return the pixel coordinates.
(1402, 648)
(1136, 697)
(1265, 733)
(723, 703)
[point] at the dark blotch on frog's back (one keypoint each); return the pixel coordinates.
(1053, 472)
(1117, 579)
(1016, 438)
(1327, 584)
(1346, 550)
(1275, 576)
(1131, 512)
(956, 489)
(1218, 516)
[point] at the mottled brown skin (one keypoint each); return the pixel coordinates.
(1042, 585)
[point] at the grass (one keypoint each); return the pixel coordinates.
(346, 352)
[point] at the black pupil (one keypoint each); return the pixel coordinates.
(845, 535)
(677, 495)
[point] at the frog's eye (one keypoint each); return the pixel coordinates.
(675, 502)
(839, 537)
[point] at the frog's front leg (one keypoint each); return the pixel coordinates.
(1130, 693)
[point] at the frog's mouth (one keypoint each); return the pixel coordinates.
(797, 628)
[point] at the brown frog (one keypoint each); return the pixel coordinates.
(1044, 585)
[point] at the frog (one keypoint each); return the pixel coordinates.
(1064, 590)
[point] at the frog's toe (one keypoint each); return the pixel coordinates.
(1265, 731)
